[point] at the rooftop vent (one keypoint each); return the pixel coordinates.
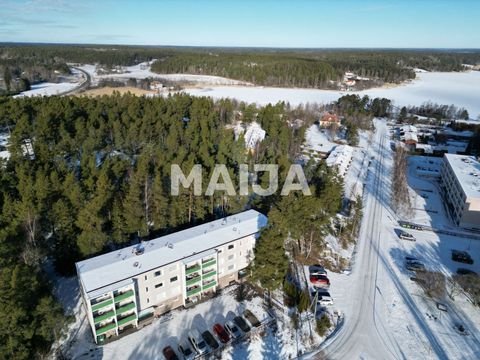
(135, 264)
(139, 249)
(170, 245)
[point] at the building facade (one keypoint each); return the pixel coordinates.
(125, 288)
(460, 183)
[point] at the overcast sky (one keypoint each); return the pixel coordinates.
(269, 23)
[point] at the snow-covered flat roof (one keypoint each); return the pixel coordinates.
(122, 264)
(467, 172)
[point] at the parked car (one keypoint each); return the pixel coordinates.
(210, 339)
(317, 270)
(233, 330)
(221, 333)
(410, 258)
(409, 225)
(415, 266)
(185, 349)
(463, 271)
(325, 300)
(252, 319)
(197, 341)
(319, 280)
(406, 236)
(462, 256)
(169, 354)
(241, 323)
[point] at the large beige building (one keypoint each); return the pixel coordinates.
(460, 180)
(125, 288)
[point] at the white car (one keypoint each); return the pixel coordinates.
(197, 341)
(325, 300)
(232, 329)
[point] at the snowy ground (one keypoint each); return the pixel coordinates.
(48, 89)
(4, 153)
(142, 71)
(443, 88)
(148, 342)
(316, 141)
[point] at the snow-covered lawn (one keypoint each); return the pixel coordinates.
(316, 141)
(460, 89)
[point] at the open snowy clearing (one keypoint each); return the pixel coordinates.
(49, 89)
(142, 71)
(460, 89)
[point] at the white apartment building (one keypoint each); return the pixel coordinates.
(460, 180)
(341, 158)
(125, 288)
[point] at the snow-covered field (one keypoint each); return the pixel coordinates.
(142, 71)
(49, 89)
(461, 89)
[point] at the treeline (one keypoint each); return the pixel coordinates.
(87, 175)
(320, 68)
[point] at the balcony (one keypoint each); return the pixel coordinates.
(194, 291)
(102, 304)
(209, 263)
(192, 269)
(127, 319)
(105, 329)
(209, 285)
(123, 296)
(193, 280)
(125, 308)
(103, 317)
(209, 274)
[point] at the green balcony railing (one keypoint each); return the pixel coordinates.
(102, 304)
(192, 269)
(209, 263)
(125, 308)
(209, 274)
(194, 291)
(194, 280)
(123, 296)
(105, 329)
(104, 317)
(127, 319)
(209, 285)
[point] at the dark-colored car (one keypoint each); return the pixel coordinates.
(252, 319)
(222, 334)
(410, 258)
(463, 271)
(185, 349)
(462, 256)
(241, 323)
(210, 340)
(415, 266)
(169, 353)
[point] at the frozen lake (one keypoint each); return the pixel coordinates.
(460, 89)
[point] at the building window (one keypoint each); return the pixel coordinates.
(146, 289)
(158, 285)
(175, 278)
(148, 300)
(230, 247)
(231, 267)
(230, 257)
(145, 277)
(158, 273)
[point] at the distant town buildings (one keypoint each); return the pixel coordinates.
(460, 183)
(125, 288)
